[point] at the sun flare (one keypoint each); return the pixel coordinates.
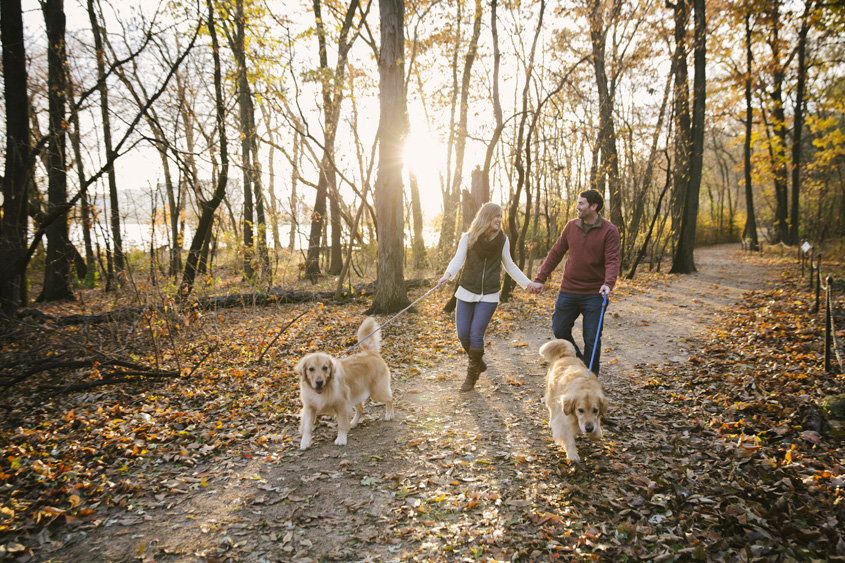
(424, 157)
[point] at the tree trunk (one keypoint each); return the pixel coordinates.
(798, 124)
(781, 230)
(58, 269)
(684, 260)
(514, 231)
(19, 162)
(463, 107)
(648, 175)
(332, 92)
(682, 141)
(271, 189)
(609, 166)
(750, 230)
(203, 233)
(416, 214)
(294, 200)
(237, 42)
(497, 104)
(114, 205)
(390, 295)
(449, 192)
(85, 211)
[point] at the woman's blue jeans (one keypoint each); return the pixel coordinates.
(568, 307)
(471, 320)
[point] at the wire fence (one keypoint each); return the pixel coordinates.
(831, 342)
(832, 345)
(810, 263)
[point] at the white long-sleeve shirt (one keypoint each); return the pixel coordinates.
(461, 256)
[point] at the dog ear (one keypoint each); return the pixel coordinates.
(568, 405)
(300, 368)
(602, 405)
(557, 349)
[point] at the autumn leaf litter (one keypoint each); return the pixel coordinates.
(729, 455)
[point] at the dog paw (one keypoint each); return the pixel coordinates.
(340, 441)
(305, 444)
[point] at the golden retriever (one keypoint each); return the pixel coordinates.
(340, 386)
(574, 397)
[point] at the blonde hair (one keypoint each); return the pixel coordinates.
(482, 222)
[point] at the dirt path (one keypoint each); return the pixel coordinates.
(456, 477)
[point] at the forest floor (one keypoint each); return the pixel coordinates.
(716, 447)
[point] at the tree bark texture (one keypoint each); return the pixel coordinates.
(750, 231)
(18, 169)
(781, 230)
(798, 124)
(608, 166)
(58, 269)
(682, 143)
(516, 233)
(684, 260)
(202, 235)
(114, 204)
(390, 295)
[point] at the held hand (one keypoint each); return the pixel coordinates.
(535, 287)
(444, 279)
(605, 290)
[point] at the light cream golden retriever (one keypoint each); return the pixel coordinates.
(340, 386)
(574, 397)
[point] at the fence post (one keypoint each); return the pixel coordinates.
(801, 259)
(818, 282)
(828, 325)
(810, 266)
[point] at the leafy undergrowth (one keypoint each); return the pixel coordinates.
(66, 459)
(728, 456)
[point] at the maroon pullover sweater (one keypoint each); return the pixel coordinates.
(593, 257)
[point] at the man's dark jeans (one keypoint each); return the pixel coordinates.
(567, 309)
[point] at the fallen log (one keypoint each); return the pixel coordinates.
(256, 299)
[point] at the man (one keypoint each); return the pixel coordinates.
(588, 277)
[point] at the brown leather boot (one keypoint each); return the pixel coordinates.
(473, 368)
(483, 366)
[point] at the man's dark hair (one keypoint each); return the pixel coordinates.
(592, 196)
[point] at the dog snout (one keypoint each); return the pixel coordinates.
(318, 385)
(589, 428)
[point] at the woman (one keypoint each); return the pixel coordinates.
(482, 251)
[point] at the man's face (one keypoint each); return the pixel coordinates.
(584, 209)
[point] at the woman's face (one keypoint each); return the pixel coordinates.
(496, 223)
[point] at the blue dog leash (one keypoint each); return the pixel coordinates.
(598, 332)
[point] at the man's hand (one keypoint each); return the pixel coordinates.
(605, 290)
(535, 287)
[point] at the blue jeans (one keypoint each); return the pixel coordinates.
(567, 309)
(471, 320)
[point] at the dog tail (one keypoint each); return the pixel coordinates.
(557, 349)
(368, 327)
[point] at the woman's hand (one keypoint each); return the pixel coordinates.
(535, 287)
(444, 279)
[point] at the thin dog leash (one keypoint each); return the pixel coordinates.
(598, 332)
(393, 318)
